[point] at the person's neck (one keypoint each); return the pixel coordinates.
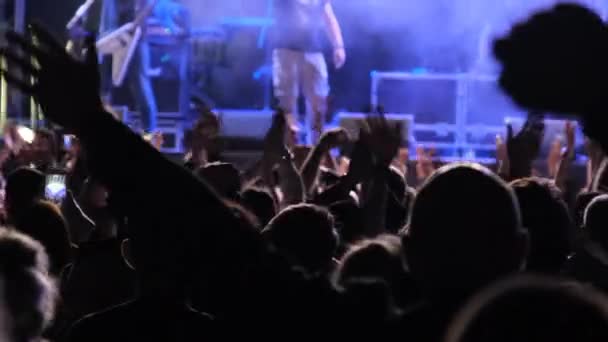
(163, 292)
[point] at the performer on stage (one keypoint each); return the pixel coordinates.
(114, 14)
(298, 62)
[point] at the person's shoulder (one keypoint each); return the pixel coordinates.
(198, 316)
(90, 326)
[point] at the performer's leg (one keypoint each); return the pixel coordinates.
(141, 87)
(184, 80)
(315, 83)
(285, 79)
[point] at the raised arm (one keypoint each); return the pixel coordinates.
(150, 187)
(310, 169)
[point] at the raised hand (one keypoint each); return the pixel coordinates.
(334, 138)
(501, 151)
(384, 139)
(566, 157)
(524, 147)
(67, 89)
(570, 134)
(424, 163)
(554, 157)
(274, 142)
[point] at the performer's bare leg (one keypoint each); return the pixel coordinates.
(298, 62)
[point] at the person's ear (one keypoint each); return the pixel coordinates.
(125, 249)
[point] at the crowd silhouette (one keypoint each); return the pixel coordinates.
(303, 245)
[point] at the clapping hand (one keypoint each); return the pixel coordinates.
(67, 89)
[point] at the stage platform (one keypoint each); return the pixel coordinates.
(243, 131)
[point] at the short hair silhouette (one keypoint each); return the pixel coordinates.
(349, 222)
(532, 308)
(397, 201)
(596, 220)
(381, 259)
(28, 293)
(223, 177)
(580, 205)
(545, 216)
(464, 231)
(24, 186)
(305, 235)
(260, 203)
(43, 222)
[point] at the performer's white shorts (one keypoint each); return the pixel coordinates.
(295, 72)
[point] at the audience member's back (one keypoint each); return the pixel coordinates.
(161, 311)
(545, 216)
(464, 232)
(532, 309)
(98, 279)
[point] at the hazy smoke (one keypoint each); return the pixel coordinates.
(453, 27)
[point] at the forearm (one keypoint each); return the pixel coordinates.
(563, 172)
(129, 166)
(290, 183)
(502, 169)
(374, 206)
(310, 170)
(334, 31)
(519, 170)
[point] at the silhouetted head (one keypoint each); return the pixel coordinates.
(24, 186)
(261, 204)
(28, 293)
(582, 201)
(545, 216)
(305, 235)
(596, 220)
(464, 231)
(348, 221)
(555, 62)
(160, 257)
(224, 178)
(44, 222)
(380, 258)
(398, 201)
(532, 309)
